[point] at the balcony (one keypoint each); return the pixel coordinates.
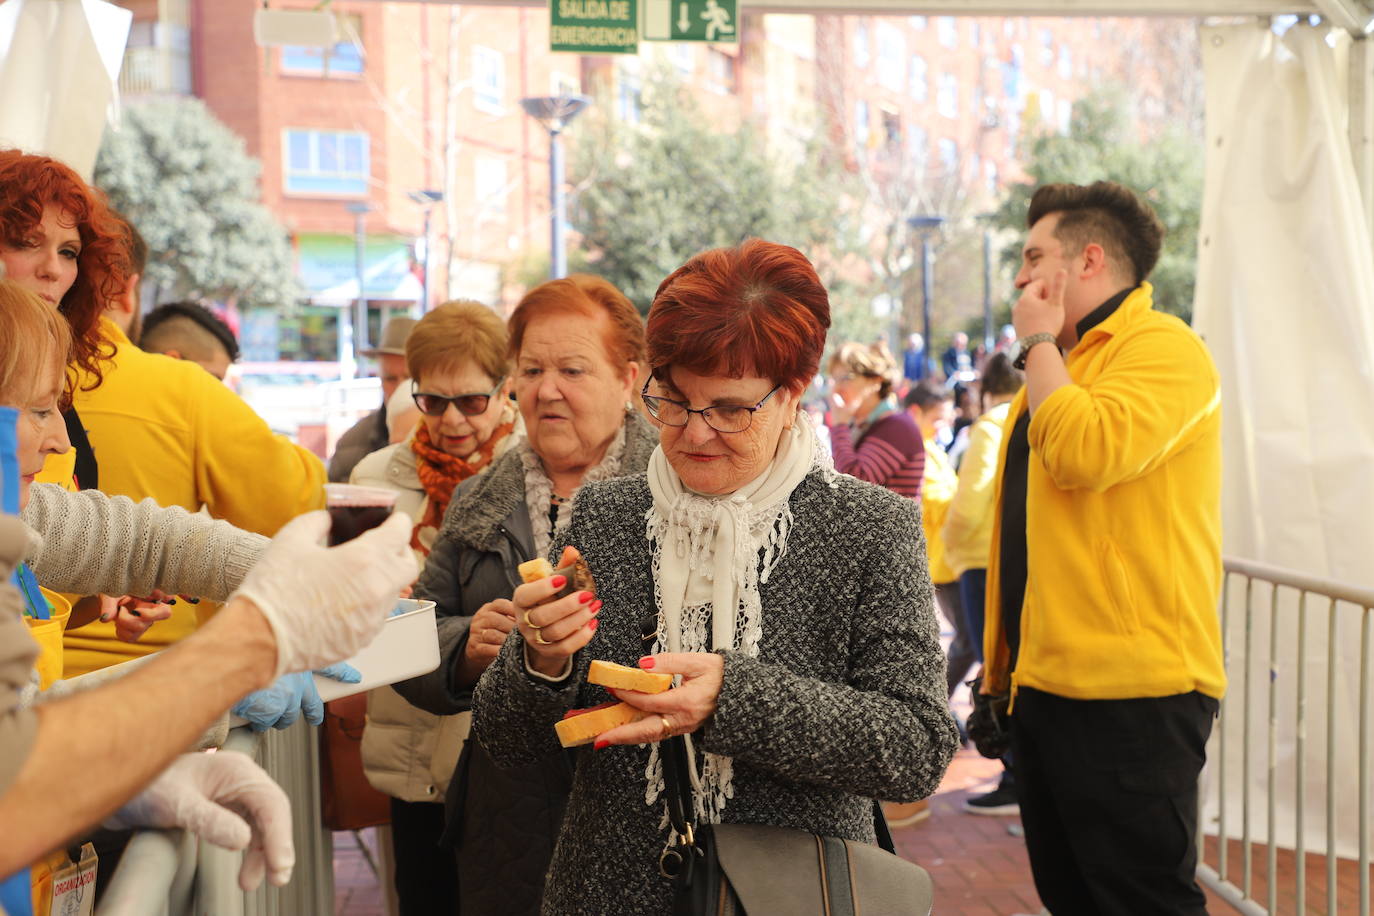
(157, 61)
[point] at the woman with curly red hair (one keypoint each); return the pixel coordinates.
(60, 239)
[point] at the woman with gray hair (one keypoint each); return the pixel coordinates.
(810, 662)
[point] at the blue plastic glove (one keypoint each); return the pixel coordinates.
(280, 705)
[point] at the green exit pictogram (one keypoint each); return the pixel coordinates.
(691, 20)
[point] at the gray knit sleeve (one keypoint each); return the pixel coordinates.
(513, 713)
(887, 731)
(18, 725)
(97, 543)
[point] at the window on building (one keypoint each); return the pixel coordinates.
(629, 105)
(1065, 63)
(329, 162)
(975, 34)
(489, 186)
(891, 56)
(918, 145)
(1065, 116)
(947, 30)
(949, 156)
(345, 59)
(892, 130)
(861, 124)
(489, 80)
(917, 22)
(920, 90)
(861, 51)
(990, 176)
(680, 53)
(721, 67)
(1046, 48)
(947, 96)
(1008, 28)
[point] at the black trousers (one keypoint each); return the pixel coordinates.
(426, 881)
(1108, 792)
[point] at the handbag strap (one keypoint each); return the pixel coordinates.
(880, 828)
(678, 786)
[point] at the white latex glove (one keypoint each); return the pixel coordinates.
(226, 799)
(326, 603)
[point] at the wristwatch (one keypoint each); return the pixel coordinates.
(1023, 347)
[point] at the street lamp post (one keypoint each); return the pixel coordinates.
(927, 226)
(427, 199)
(360, 209)
(555, 113)
(987, 291)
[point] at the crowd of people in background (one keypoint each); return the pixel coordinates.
(777, 533)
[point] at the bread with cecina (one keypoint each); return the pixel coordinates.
(620, 677)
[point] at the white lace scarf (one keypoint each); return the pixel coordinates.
(539, 489)
(710, 555)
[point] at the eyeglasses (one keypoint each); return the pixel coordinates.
(469, 405)
(726, 418)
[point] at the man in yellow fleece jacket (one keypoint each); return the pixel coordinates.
(1105, 565)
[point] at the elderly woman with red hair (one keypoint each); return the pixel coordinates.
(792, 601)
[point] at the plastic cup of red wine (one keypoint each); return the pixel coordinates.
(354, 509)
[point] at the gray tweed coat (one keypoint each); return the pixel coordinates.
(844, 703)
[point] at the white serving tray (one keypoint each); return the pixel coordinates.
(406, 647)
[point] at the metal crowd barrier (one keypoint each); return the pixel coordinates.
(1249, 707)
(166, 873)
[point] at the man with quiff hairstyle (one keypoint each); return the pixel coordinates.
(1105, 564)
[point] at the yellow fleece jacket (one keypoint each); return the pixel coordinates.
(968, 528)
(937, 489)
(167, 429)
(1123, 520)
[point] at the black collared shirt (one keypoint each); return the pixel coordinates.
(1012, 544)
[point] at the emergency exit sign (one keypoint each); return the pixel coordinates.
(692, 20)
(594, 26)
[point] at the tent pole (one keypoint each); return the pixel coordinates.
(1361, 127)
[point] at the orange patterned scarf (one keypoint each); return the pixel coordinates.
(440, 474)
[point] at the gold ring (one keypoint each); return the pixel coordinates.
(530, 623)
(667, 726)
(539, 638)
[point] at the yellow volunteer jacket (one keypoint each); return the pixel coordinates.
(1123, 510)
(167, 429)
(937, 489)
(968, 527)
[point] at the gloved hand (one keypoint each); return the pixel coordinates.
(326, 603)
(226, 799)
(280, 705)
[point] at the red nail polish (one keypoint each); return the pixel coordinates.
(600, 744)
(584, 597)
(595, 607)
(646, 662)
(559, 581)
(593, 624)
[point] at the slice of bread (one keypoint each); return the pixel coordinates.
(609, 674)
(581, 726)
(534, 570)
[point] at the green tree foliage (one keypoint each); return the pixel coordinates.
(1103, 142)
(187, 182)
(653, 193)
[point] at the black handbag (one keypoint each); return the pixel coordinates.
(988, 725)
(736, 869)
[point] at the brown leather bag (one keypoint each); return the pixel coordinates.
(347, 799)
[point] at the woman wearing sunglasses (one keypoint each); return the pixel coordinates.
(794, 602)
(459, 375)
(577, 345)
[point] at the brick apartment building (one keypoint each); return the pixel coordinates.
(425, 97)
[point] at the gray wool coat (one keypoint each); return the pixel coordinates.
(845, 702)
(502, 821)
